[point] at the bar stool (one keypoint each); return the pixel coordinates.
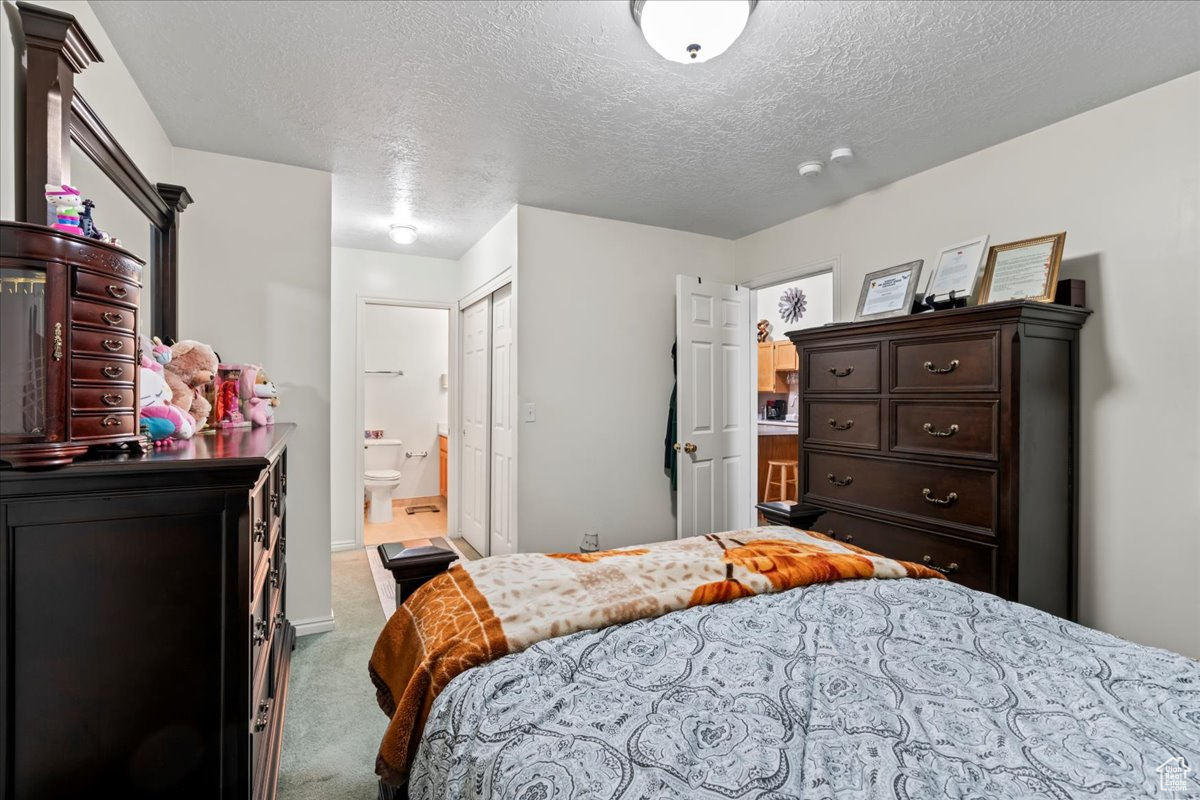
(786, 469)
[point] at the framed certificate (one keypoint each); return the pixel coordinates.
(1024, 270)
(888, 292)
(957, 269)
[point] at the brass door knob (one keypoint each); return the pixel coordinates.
(688, 448)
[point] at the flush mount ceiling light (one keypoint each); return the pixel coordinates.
(403, 234)
(691, 31)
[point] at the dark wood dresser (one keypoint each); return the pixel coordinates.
(950, 438)
(146, 646)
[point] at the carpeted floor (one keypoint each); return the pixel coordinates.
(333, 727)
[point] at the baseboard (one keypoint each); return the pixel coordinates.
(338, 547)
(307, 627)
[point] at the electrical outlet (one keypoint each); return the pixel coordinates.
(529, 413)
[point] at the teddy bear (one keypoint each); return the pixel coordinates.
(191, 368)
(259, 396)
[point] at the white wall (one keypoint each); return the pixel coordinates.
(818, 291)
(410, 406)
(368, 273)
(597, 308)
(1123, 182)
(107, 86)
(257, 289)
(495, 252)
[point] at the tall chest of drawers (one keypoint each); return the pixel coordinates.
(950, 438)
(145, 642)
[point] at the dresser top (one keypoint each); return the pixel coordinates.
(934, 321)
(209, 451)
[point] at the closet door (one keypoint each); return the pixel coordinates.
(504, 417)
(476, 362)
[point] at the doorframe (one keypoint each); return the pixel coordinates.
(360, 360)
(832, 265)
(505, 277)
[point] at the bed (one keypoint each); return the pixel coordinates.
(883, 686)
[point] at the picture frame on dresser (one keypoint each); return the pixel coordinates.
(958, 270)
(1023, 270)
(888, 292)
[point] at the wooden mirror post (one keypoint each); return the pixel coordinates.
(56, 50)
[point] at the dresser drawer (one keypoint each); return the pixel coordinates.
(967, 428)
(259, 528)
(260, 633)
(105, 288)
(966, 363)
(848, 423)
(99, 398)
(852, 368)
(102, 315)
(97, 426)
(103, 343)
(968, 563)
(102, 370)
(963, 497)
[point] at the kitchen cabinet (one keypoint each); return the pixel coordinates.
(442, 473)
(786, 359)
(766, 366)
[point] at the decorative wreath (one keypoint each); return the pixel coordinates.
(792, 305)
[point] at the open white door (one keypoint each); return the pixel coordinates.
(476, 359)
(713, 421)
(504, 418)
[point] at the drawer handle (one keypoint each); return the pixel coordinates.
(112, 318)
(113, 345)
(928, 428)
(849, 479)
(950, 570)
(274, 576)
(111, 399)
(929, 367)
(260, 631)
(279, 618)
(950, 499)
(260, 530)
(110, 421)
(282, 545)
(849, 537)
(275, 502)
(118, 292)
(833, 423)
(264, 715)
(840, 373)
(113, 371)
(58, 341)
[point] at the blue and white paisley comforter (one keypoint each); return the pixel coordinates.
(857, 689)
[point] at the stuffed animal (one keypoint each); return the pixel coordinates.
(264, 390)
(191, 368)
(66, 202)
(764, 330)
(155, 410)
(259, 396)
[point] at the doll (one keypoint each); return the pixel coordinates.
(65, 200)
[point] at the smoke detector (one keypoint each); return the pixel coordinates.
(841, 155)
(811, 169)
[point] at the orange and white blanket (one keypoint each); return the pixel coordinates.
(481, 610)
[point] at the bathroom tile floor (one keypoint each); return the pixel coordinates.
(405, 526)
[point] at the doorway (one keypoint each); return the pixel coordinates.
(782, 303)
(403, 407)
(489, 439)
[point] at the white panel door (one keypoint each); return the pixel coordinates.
(504, 418)
(713, 420)
(473, 502)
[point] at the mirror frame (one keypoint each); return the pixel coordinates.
(56, 50)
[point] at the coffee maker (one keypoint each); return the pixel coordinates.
(777, 409)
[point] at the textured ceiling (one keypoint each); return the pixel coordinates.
(444, 114)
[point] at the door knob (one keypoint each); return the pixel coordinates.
(687, 448)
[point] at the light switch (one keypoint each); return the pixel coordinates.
(530, 413)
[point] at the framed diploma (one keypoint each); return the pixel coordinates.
(888, 292)
(1024, 270)
(958, 269)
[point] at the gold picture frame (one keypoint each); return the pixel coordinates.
(1017, 264)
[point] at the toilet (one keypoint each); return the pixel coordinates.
(380, 477)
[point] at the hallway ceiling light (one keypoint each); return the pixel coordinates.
(691, 31)
(403, 234)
